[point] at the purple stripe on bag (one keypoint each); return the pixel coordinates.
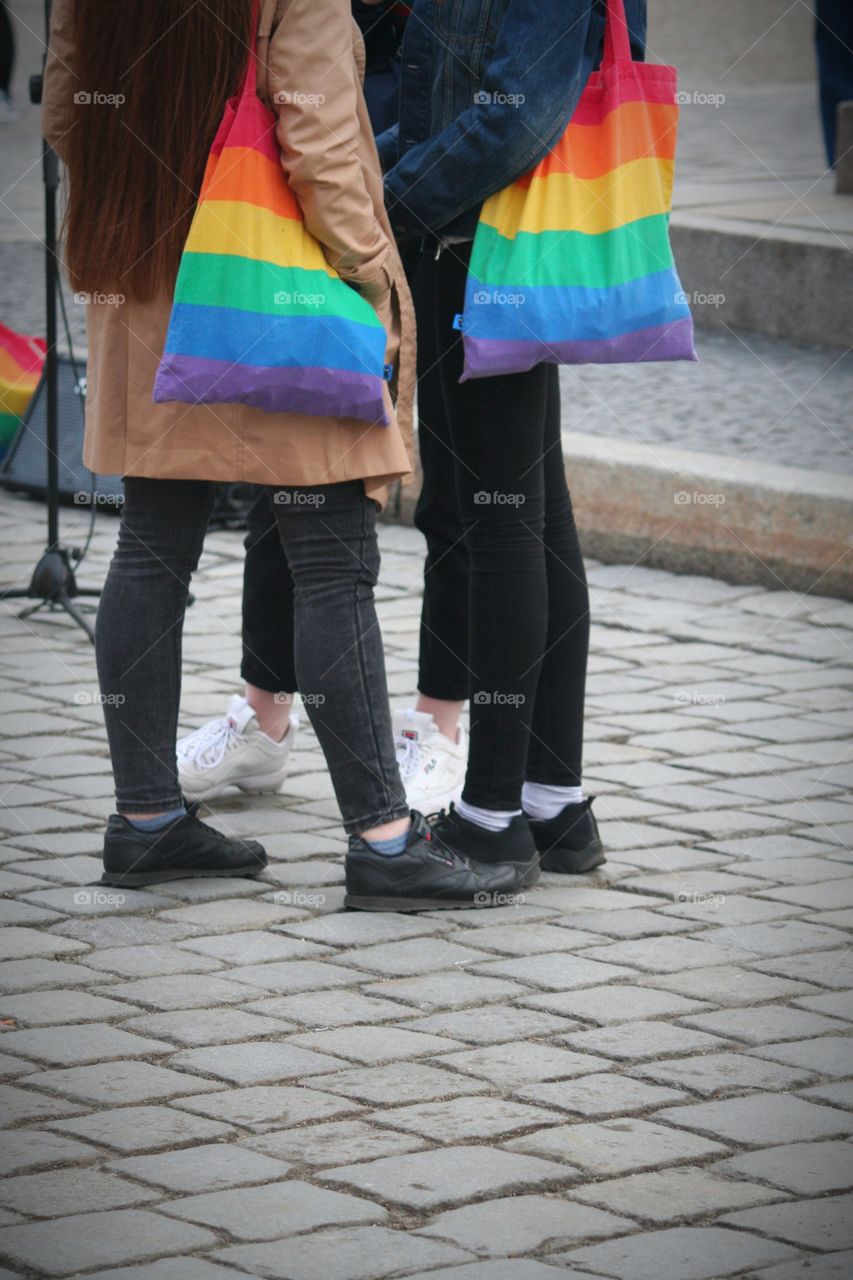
(309, 390)
(485, 357)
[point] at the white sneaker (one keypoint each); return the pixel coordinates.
(232, 751)
(432, 767)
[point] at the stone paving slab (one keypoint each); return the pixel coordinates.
(433, 1179)
(521, 1223)
(825, 1224)
(681, 1192)
(359, 1253)
(803, 1167)
(758, 1119)
(827, 1266)
(211, 1167)
(324, 1145)
(693, 1253)
(643, 1071)
(61, 1192)
(132, 1129)
(275, 1209)
(617, 1146)
(83, 1241)
(173, 1269)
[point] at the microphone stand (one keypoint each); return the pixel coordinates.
(53, 583)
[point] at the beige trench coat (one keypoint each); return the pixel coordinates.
(333, 169)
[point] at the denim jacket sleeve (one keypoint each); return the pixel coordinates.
(542, 57)
(387, 144)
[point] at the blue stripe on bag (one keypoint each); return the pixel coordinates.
(244, 337)
(554, 313)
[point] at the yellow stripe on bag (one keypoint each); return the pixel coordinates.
(247, 231)
(562, 202)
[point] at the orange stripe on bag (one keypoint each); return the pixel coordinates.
(634, 131)
(243, 174)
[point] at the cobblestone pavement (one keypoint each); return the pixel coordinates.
(751, 397)
(641, 1074)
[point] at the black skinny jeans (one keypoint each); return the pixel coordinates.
(489, 436)
(329, 536)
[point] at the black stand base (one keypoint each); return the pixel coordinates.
(54, 586)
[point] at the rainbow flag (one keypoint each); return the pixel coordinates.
(259, 317)
(21, 361)
(572, 263)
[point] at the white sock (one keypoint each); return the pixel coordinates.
(543, 802)
(277, 742)
(490, 819)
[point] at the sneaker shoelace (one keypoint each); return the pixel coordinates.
(408, 752)
(208, 746)
(432, 832)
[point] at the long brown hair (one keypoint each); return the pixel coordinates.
(153, 77)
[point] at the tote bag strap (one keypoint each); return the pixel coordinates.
(249, 89)
(617, 42)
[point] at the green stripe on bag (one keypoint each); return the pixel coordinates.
(266, 288)
(572, 258)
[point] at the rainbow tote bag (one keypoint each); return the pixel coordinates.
(258, 316)
(572, 262)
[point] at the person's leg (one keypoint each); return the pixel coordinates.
(497, 428)
(249, 747)
(561, 817)
(443, 671)
(329, 537)
(395, 860)
(138, 651)
(556, 738)
(138, 635)
(432, 747)
(268, 667)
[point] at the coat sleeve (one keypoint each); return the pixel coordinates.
(60, 81)
(314, 84)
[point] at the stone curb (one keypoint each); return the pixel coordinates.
(787, 282)
(706, 514)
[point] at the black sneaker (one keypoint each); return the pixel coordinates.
(515, 844)
(570, 842)
(428, 876)
(185, 848)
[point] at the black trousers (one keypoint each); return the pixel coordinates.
(502, 554)
(505, 618)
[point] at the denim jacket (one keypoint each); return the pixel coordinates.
(488, 87)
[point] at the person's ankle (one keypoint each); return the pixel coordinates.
(276, 733)
(272, 711)
(542, 801)
(494, 820)
(390, 848)
(445, 714)
(386, 831)
(155, 821)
